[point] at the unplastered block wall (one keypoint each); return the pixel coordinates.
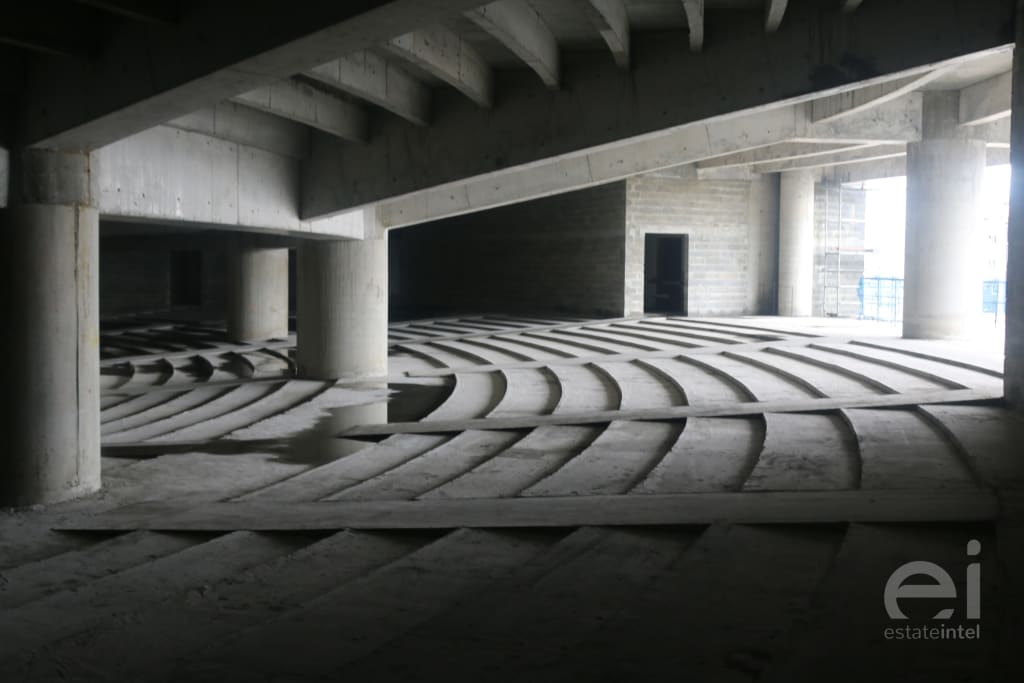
(733, 240)
(838, 253)
(560, 254)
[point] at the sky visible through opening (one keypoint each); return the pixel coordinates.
(885, 225)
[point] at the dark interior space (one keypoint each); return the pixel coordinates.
(666, 270)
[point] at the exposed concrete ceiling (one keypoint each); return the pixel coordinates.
(431, 109)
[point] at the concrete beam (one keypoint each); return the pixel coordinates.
(519, 27)
(304, 104)
(609, 17)
(829, 109)
(870, 153)
(778, 152)
(249, 127)
(378, 81)
(170, 175)
(144, 78)
(695, 21)
(446, 56)
(893, 167)
(986, 101)
(675, 149)
(773, 12)
(535, 129)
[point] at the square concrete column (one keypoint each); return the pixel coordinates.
(257, 293)
(945, 170)
(343, 309)
(49, 255)
(796, 243)
(1014, 369)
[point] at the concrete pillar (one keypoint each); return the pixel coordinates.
(49, 255)
(343, 309)
(942, 286)
(257, 294)
(1013, 372)
(796, 243)
(763, 238)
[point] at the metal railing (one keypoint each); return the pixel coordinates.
(881, 298)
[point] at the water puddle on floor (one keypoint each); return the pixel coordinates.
(407, 402)
(318, 442)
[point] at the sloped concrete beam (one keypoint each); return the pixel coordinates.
(144, 78)
(987, 101)
(779, 152)
(869, 153)
(446, 56)
(536, 127)
(830, 108)
(520, 28)
(304, 104)
(378, 81)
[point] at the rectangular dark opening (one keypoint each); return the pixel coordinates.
(666, 270)
(186, 278)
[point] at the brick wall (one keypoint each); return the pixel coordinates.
(732, 227)
(561, 254)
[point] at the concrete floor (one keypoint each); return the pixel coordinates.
(540, 499)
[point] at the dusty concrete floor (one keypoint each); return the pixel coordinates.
(529, 499)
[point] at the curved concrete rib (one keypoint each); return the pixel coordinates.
(433, 468)
(624, 454)
(474, 395)
(541, 452)
(767, 383)
(338, 475)
(896, 368)
(805, 452)
(528, 392)
(699, 386)
(573, 346)
(288, 395)
(711, 454)
(535, 348)
(901, 450)
(224, 404)
(670, 339)
(990, 437)
(178, 403)
(640, 387)
(136, 405)
(583, 389)
(835, 366)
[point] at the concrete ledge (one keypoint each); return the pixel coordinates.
(701, 508)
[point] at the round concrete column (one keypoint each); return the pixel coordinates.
(49, 255)
(942, 286)
(343, 309)
(796, 243)
(257, 294)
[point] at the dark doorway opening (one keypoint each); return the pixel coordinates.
(186, 278)
(666, 268)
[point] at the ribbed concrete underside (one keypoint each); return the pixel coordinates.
(551, 500)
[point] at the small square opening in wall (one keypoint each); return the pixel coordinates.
(666, 271)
